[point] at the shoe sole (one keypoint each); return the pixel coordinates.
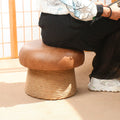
(91, 88)
(102, 91)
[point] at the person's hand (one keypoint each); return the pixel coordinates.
(115, 15)
(115, 12)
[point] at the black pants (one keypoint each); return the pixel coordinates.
(101, 36)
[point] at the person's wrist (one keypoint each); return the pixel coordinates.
(110, 13)
(107, 12)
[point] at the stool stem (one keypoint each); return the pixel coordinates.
(50, 84)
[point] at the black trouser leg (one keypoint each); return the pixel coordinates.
(106, 64)
(101, 36)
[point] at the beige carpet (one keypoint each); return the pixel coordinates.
(85, 105)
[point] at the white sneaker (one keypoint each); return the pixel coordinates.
(112, 85)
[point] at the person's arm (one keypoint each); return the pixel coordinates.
(86, 10)
(83, 9)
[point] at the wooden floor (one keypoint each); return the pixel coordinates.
(85, 105)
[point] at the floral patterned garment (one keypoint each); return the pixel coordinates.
(80, 9)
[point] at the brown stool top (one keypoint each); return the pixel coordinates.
(36, 55)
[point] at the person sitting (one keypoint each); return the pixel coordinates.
(85, 25)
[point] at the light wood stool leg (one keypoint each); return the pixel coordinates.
(50, 84)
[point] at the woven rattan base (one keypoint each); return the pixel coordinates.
(50, 85)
